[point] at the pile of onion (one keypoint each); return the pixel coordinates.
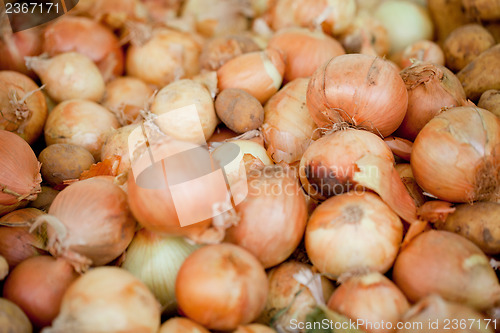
(23, 106)
(456, 156)
(104, 293)
(362, 90)
(19, 173)
(443, 263)
(89, 223)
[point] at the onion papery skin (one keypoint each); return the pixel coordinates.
(372, 298)
(221, 287)
(352, 232)
(362, 90)
(37, 286)
(104, 293)
(443, 263)
(84, 35)
(96, 222)
(19, 173)
(155, 260)
(431, 87)
(18, 244)
(273, 216)
(15, 46)
(456, 158)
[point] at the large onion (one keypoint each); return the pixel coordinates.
(104, 293)
(359, 89)
(441, 262)
(456, 156)
(86, 36)
(23, 106)
(19, 173)
(89, 223)
(221, 286)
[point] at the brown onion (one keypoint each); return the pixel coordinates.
(441, 262)
(13, 319)
(89, 223)
(18, 244)
(352, 232)
(37, 286)
(217, 51)
(15, 46)
(304, 50)
(431, 87)
(273, 216)
(86, 36)
(422, 50)
(359, 89)
(181, 325)
(455, 156)
(82, 123)
(104, 293)
(23, 106)
(221, 287)
(19, 173)
(288, 127)
(370, 299)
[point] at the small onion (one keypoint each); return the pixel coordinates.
(217, 51)
(221, 287)
(117, 144)
(181, 325)
(89, 223)
(352, 232)
(68, 76)
(372, 299)
(13, 319)
(155, 260)
(304, 50)
(15, 46)
(455, 156)
(104, 293)
(441, 262)
(431, 87)
(88, 37)
(23, 106)
(80, 122)
(422, 50)
(18, 244)
(41, 278)
(273, 216)
(19, 173)
(288, 127)
(359, 89)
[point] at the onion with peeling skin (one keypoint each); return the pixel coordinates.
(80, 122)
(288, 127)
(88, 37)
(19, 173)
(22, 104)
(371, 298)
(441, 262)
(217, 51)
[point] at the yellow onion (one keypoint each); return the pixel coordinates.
(104, 293)
(221, 287)
(68, 76)
(155, 260)
(289, 299)
(352, 232)
(117, 144)
(304, 50)
(431, 87)
(82, 123)
(23, 106)
(167, 56)
(126, 97)
(422, 50)
(432, 314)
(19, 173)
(13, 319)
(370, 299)
(254, 328)
(455, 156)
(258, 73)
(18, 243)
(288, 127)
(181, 325)
(443, 263)
(89, 223)
(217, 51)
(273, 216)
(359, 89)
